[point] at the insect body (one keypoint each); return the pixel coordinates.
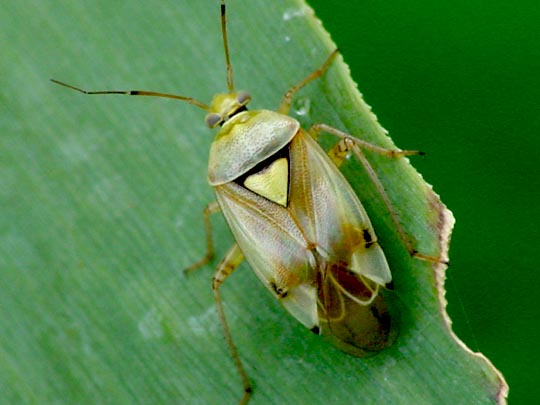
(295, 218)
(301, 227)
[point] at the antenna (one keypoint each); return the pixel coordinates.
(230, 82)
(189, 100)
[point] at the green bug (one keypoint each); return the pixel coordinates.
(295, 218)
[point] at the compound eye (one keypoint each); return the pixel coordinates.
(243, 97)
(212, 119)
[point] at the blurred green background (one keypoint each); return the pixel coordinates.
(461, 81)
(457, 80)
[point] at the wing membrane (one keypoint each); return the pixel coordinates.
(354, 314)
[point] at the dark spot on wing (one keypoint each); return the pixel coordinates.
(279, 291)
(368, 238)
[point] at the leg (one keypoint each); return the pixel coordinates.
(230, 262)
(286, 101)
(347, 138)
(349, 144)
(210, 209)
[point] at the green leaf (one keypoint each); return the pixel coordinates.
(102, 202)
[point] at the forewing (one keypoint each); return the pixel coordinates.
(274, 247)
(329, 212)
